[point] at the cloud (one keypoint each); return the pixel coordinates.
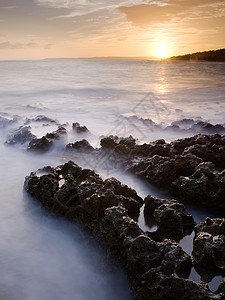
(7, 7)
(8, 45)
(144, 15)
(85, 7)
(5, 35)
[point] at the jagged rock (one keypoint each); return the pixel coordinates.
(183, 122)
(40, 145)
(55, 135)
(201, 151)
(205, 127)
(186, 164)
(83, 193)
(209, 248)
(158, 170)
(42, 119)
(156, 270)
(205, 186)
(170, 216)
(181, 144)
(79, 129)
(209, 255)
(172, 287)
(82, 145)
(123, 146)
(21, 136)
(214, 226)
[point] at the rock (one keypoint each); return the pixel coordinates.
(43, 119)
(205, 186)
(183, 122)
(181, 144)
(158, 170)
(21, 136)
(78, 128)
(123, 146)
(156, 270)
(40, 145)
(159, 142)
(172, 287)
(185, 164)
(83, 193)
(209, 248)
(56, 135)
(205, 127)
(201, 151)
(208, 255)
(82, 145)
(214, 226)
(171, 217)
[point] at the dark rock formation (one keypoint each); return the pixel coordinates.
(79, 129)
(192, 169)
(156, 270)
(83, 193)
(21, 136)
(56, 135)
(209, 248)
(42, 119)
(171, 217)
(40, 145)
(119, 145)
(158, 170)
(82, 145)
(205, 186)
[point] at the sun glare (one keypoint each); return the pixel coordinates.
(162, 50)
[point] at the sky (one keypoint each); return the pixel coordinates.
(38, 29)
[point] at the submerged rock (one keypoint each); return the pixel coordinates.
(156, 270)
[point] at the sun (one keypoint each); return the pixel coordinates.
(161, 50)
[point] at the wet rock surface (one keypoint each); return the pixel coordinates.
(171, 217)
(209, 248)
(192, 169)
(156, 270)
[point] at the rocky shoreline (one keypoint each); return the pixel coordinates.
(190, 169)
(155, 269)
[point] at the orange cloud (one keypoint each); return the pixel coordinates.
(144, 15)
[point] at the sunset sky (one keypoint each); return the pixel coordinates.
(37, 29)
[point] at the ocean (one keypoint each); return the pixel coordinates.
(46, 257)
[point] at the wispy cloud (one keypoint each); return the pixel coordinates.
(9, 45)
(4, 35)
(85, 7)
(144, 15)
(7, 7)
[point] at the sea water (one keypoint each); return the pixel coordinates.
(44, 257)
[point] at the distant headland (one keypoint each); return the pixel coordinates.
(212, 55)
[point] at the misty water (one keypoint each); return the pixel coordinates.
(46, 257)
